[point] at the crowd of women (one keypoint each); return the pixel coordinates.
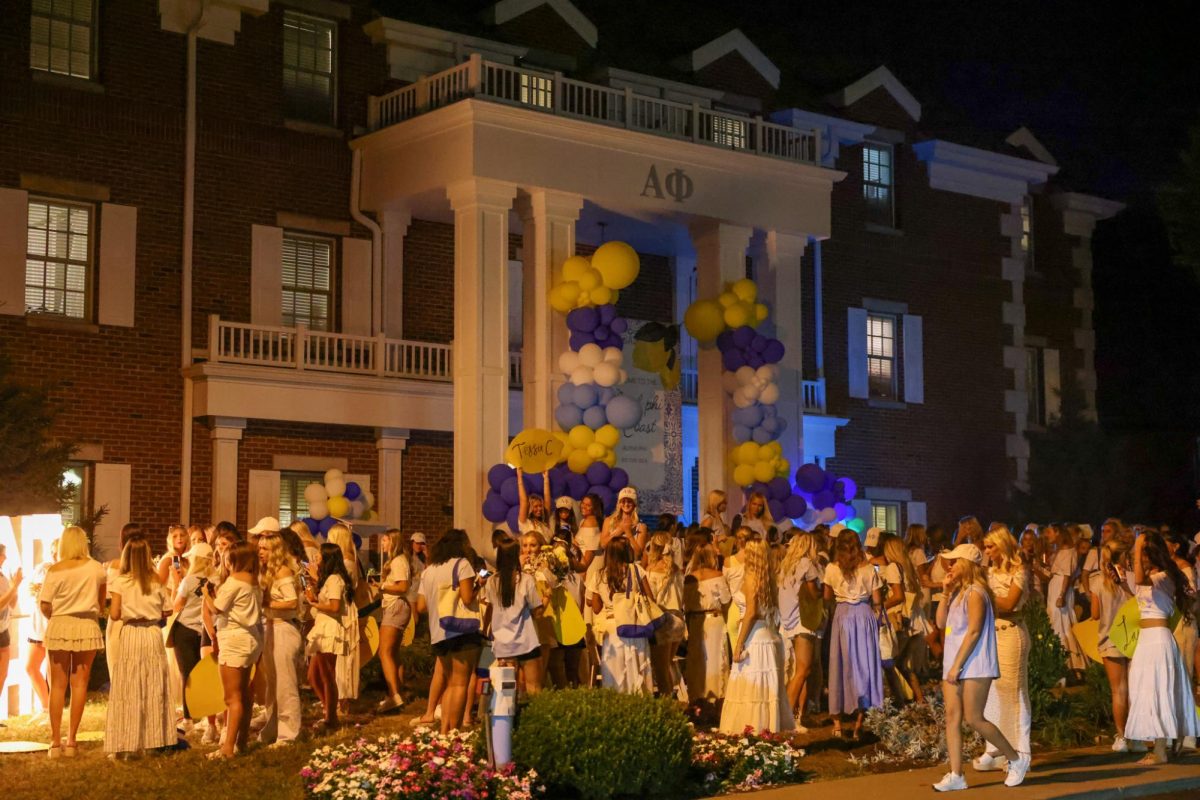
(761, 623)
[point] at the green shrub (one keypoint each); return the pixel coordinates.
(1047, 662)
(598, 744)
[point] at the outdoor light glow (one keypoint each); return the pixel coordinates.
(27, 540)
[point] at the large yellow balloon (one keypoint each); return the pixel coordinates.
(579, 461)
(705, 319)
(590, 279)
(747, 453)
(738, 314)
(743, 475)
(574, 267)
(745, 290)
(763, 471)
(338, 506)
(580, 436)
(608, 435)
(617, 263)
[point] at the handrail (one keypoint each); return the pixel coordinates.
(552, 93)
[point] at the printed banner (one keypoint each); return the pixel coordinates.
(652, 451)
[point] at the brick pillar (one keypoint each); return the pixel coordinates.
(226, 433)
(480, 351)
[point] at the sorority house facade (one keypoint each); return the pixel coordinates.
(247, 241)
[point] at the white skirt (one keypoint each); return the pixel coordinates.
(707, 664)
(1160, 694)
(140, 712)
(1008, 698)
(73, 633)
(755, 696)
(1061, 620)
(625, 665)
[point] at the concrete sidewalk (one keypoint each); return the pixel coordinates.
(1094, 774)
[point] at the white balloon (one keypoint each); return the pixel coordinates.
(729, 382)
(568, 361)
(368, 499)
(770, 395)
(581, 375)
(318, 510)
(613, 355)
(335, 487)
(590, 354)
(333, 475)
(741, 400)
(606, 374)
(750, 391)
(315, 493)
(744, 375)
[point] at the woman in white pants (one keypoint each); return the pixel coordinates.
(282, 642)
(1008, 698)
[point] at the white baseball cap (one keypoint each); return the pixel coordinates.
(417, 537)
(199, 550)
(967, 551)
(872, 537)
(629, 493)
(265, 525)
(564, 502)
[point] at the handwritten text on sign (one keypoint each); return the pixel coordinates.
(534, 450)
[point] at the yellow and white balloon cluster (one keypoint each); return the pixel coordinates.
(735, 307)
(595, 281)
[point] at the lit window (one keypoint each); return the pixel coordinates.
(308, 67)
(885, 516)
(729, 132)
(537, 90)
(292, 503)
(73, 481)
(878, 183)
(58, 259)
(1027, 231)
(881, 356)
(307, 281)
(62, 35)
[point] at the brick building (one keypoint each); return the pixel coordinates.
(242, 239)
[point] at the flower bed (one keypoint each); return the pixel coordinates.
(737, 763)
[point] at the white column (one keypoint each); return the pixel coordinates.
(783, 253)
(720, 258)
(226, 433)
(390, 444)
(548, 240)
(480, 351)
(395, 228)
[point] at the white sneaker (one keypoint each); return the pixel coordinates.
(1189, 743)
(950, 783)
(1120, 744)
(990, 763)
(211, 735)
(1017, 770)
(258, 721)
(389, 703)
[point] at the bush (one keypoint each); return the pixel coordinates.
(1047, 662)
(1074, 716)
(597, 744)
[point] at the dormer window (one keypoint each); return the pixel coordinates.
(878, 183)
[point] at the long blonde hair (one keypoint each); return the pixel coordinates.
(704, 556)
(278, 557)
(915, 537)
(758, 558)
(969, 530)
(1114, 551)
(1002, 539)
(896, 553)
(395, 549)
(803, 545)
(658, 549)
(713, 507)
(766, 517)
(73, 544)
(341, 536)
(975, 575)
(138, 564)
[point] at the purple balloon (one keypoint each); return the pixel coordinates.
(509, 491)
(534, 484)
(598, 473)
(843, 511)
(513, 519)
(758, 343)
(594, 417)
(314, 527)
(794, 506)
(357, 541)
(618, 326)
(772, 425)
(849, 488)
(498, 474)
(830, 480)
(619, 479)
(325, 525)
(607, 497)
(810, 478)
(754, 360)
(779, 489)
(586, 319)
(601, 333)
(558, 483)
(741, 434)
(743, 336)
(725, 341)
(762, 488)
(773, 352)
(824, 499)
(607, 313)
(578, 340)
(353, 491)
(732, 360)
(577, 486)
(776, 507)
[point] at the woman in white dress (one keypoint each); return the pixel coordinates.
(624, 661)
(756, 516)
(140, 712)
(533, 510)
(1060, 593)
(72, 597)
(800, 602)
(666, 587)
(591, 564)
(329, 596)
(282, 640)
(626, 522)
(349, 664)
(706, 597)
(755, 697)
(734, 567)
(237, 606)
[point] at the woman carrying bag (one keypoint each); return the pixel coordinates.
(625, 650)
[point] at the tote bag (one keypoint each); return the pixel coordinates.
(454, 615)
(887, 642)
(636, 615)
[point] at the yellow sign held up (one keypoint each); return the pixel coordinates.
(534, 450)
(1087, 633)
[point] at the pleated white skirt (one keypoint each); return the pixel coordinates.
(1160, 694)
(140, 712)
(755, 696)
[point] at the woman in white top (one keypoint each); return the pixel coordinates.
(238, 608)
(329, 595)
(801, 617)
(755, 696)
(905, 610)
(281, 640)
(71, 598)
(533, 510)
(756, 515)
(140, 710)
(1110, 590)
(714, 520)
(170, 568)
(397, 578)
(1161, 705)
(666, 588)
(513, 607)
(624, 661)
(855, 670)
(626, 522)
(349, 664)
(733, 567)
(1008, 698)
(189, 633)
(706, 597)
(1060, 600)
(591, 563)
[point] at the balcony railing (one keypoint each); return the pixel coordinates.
(812, 392)
(552, 93)
(300, 348)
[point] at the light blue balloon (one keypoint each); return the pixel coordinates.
(568, 416)
(782, 423)
(566, 394)
(624, 412)
(771, 424)
(605, 394)
(594, 417)
(761, 435)
(585, 395)
(750, 416)
(741, 434)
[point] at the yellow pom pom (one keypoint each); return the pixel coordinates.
(590, 280)
(743, 475)
(617, 263)
(608, 435)
(745, 290)
(704, 320)
(580, 437)
(574, 267)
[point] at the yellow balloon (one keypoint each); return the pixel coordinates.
(580, 437)
(773, 448)
(705, 320)
(760, 312)
(763, 471)
(614, 296)
(596, 451)
(579, 461)
(584, 299)
(726, 299)
(608, 435)
(747, 453)
(735, 316)
(745, 290)
(590, 280)
(743, 475)
(338, 506)
(574, 267)
(601, 295)
(569, 290)
(617, 263)
(610, 458)
(559, 302)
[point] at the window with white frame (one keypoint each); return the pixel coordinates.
(1027, 231)
(74, 480)
(292, 503)
(62, 37)
(309, 60)
(537, 90)
(307, 281)
(58, 259)
(881, 356)
(885, 516)
(878, 183)
(729, 132)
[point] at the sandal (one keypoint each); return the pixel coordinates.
(70, 751)
(218, 755)
(837, 731)
(55, 751)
